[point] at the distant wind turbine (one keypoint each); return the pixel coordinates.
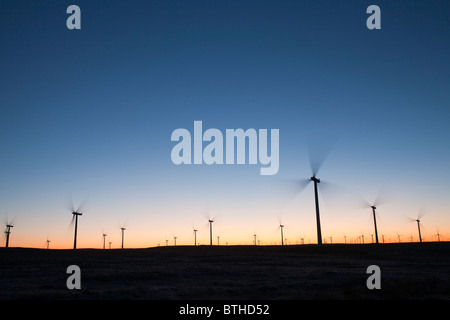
(7, 232)
(419, 216)
(282, 238)
(75, 214)
(104, 239)
(195, 237)
(210, 231)
(123, 230)
(379, 200)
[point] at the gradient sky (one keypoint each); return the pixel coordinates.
(89, 113)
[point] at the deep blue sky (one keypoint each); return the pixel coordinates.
(91, 111)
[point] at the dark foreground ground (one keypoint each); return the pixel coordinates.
(408, 271)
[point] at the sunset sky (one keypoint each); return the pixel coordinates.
(88, 114)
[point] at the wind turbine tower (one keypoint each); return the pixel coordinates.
(8, 231)
(123, 229)
(75, 217)
(282, 238)
(418, 227)
(210, 232)
(104, 238)
(375, 223)
(316, 196)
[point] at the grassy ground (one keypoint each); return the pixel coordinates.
(408, 271)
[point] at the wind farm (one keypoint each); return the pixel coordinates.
(281, 117)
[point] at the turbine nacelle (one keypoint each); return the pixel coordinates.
(313, 178)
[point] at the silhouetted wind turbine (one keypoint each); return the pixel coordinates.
(316, 197)
(210, 231)
(375, 223)
(75, 214)
(195, 237)
(419, 216)
(315, 165)
(123, 230)
(282, 238)
(104, 238)
(48, 243)
(7, 232)
(418, 227)
(381, 198)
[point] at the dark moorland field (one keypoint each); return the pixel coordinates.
(408, 271)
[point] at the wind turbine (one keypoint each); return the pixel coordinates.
(75, 214)
(210, 231)
(419, 216)
(375, 223)
(48, 243)
(195, 237)
(7, 232)
(316, 197)
(282, 238)
(123, 230)
(378, 200)
(104, 238)
(316, 160)
(418, 227)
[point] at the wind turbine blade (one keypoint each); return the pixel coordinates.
(69, 203)
(422, 213)
(287, 189)
(71, 224)
(8, 220)
(382, 197)
(82, 205)
(318, 153)
(337, 195)
(205, 212)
